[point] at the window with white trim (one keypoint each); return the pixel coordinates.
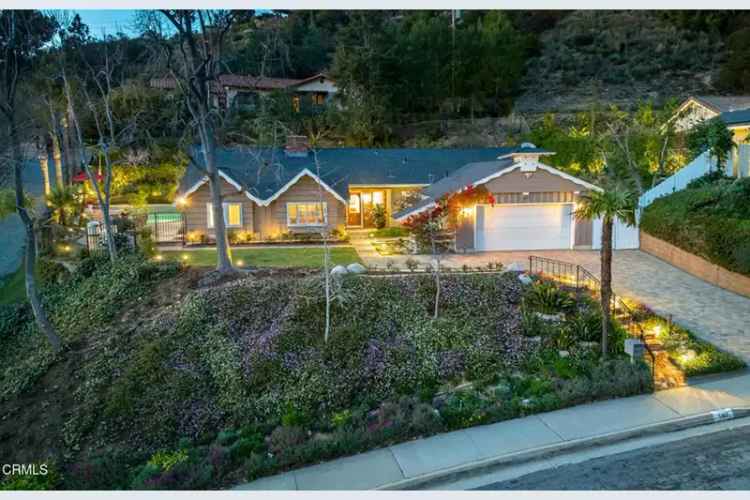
(232, 214)
(306, 213)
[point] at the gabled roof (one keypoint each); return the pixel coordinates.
(722, 104)
(476, 174)
(263, 172)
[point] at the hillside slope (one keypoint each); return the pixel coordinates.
(617, 57)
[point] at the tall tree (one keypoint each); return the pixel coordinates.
(22, 35)
(200, 38)
(610, 205)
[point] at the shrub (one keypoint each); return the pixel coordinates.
(711, 220)
(549, 298)
(12, 318)
(283, 438)
(379, 216)
(50, 272)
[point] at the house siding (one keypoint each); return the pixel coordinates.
(196, 213)
(272, 220)
(540, 181)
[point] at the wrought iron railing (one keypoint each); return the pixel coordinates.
(581, 279)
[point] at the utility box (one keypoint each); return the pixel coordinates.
(635, 348)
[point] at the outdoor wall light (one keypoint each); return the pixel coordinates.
(181, 201)
(467, 211)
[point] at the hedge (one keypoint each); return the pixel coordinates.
(708, 219)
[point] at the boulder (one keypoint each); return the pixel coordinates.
(338, 270)
(514, 267)
(356, 268)
(552, 318)
(525, 279)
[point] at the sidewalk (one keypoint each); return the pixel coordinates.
(385, 467)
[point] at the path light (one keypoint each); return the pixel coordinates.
(185, 256)
(158, 257)
(240, 262)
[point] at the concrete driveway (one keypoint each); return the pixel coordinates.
(717, 315)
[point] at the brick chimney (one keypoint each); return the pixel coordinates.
(297, 146)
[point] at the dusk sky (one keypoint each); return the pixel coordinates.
(111, 21)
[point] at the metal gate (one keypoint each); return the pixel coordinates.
(167, 227)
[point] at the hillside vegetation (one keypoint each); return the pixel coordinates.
(711, 218)
(168, 384)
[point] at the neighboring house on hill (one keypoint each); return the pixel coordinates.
(696, 109)
(732, 110)
(273, 191)
(308, 94)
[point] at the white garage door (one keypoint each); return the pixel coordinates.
(523, 227)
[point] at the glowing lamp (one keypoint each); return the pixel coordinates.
(185, 257)
(181, 201)
(467, 211)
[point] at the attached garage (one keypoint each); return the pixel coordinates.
(524, 227)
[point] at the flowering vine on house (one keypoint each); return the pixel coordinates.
(446, 212)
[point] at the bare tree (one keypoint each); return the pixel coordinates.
(325, 234)
(200, 37)
(21, 34)
(101, 111)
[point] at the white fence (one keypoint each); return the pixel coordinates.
(624, 237)
(699, 167)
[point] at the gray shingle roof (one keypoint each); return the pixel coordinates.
(725, 103)
(262, 172)
(736, 117)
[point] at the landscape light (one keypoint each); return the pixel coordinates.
(158, 257)
(240, 262)
(184, 257)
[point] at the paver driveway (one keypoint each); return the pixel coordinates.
(717, 315)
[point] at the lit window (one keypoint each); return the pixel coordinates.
(378, 198)
(319, 99)
(354, 203)
(295, 103)
(232, 215)
(306, 214)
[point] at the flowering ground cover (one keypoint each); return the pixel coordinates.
(166, 385)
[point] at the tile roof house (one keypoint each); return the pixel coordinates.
(313, 91)
(268, 192)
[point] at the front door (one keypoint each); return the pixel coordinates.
(354, 217)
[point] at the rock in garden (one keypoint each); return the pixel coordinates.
(356, 268)
(563, 354)
(525, 279)
(552, 318)
(514, 267)
(338, 270)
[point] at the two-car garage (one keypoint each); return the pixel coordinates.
(524, 227)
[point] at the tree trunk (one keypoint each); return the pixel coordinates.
(30, 254)
(223, 252)
(436, 259)
(44, 166)
(606, 291)
(57, 157)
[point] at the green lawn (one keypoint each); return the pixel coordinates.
(268, 257)
(12, 289)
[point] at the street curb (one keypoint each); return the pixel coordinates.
(479, 466)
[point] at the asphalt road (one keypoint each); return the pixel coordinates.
(718, 461)
(11, 229)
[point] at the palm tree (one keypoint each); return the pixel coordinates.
(62, 200)
(610, 205)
